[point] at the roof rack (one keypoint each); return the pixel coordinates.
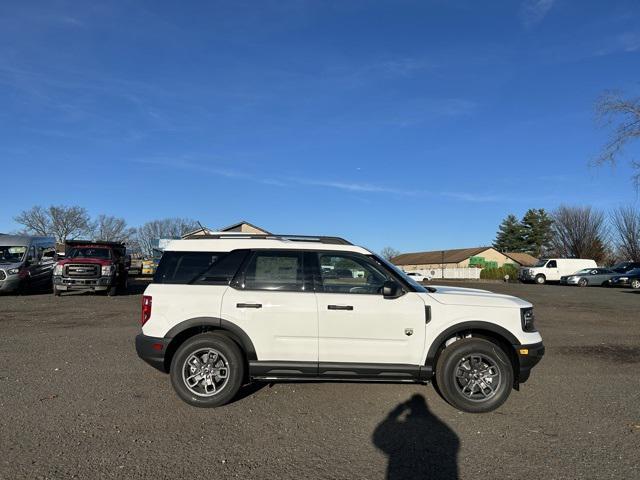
(260, 236)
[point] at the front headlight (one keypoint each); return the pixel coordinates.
(13, 271)
(527, 317)
(57, 270)
(107, 270)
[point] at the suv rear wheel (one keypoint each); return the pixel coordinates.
(474, 375)
(207, 370)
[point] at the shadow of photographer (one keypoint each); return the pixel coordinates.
(418, 444)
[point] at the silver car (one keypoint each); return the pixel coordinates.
(594, 277)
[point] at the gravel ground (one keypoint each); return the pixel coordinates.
(76, 401)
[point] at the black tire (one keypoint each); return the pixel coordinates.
(112, 290)
(635, 284)
(124, 284)
(541, 279)
(583, 282)
(231, 356)
(450, 386)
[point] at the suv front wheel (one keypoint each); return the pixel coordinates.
(474, 375)
(207, 370)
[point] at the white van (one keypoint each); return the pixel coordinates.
(551, 269)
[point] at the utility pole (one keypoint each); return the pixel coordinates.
(442, 265)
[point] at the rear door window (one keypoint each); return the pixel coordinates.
(199, 268)
(275, 271)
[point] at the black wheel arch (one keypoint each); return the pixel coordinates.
(194, 326)
(478, 329)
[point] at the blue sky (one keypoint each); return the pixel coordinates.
(415, 124)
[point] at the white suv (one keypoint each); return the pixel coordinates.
(227, 309)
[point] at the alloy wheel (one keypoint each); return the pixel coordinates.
(205, 372)
(477, 377)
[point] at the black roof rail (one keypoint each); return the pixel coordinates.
(260, 236)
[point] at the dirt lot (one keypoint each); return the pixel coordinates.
(76, 401)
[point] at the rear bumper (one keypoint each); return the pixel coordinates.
(528, 357)
(152, 350)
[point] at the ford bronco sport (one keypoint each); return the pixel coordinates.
(232, 308)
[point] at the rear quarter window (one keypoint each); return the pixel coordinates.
(199, 268)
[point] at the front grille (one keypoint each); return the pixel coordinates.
(2, 275)
(82, 270)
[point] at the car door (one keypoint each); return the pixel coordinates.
(275, 305)
(551, 271)
(360, 330)
(37, 271)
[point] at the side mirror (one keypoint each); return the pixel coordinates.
(391, 289)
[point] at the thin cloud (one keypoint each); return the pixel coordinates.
(293, 182)
(533, 12)
(626, 42)
(472, 197)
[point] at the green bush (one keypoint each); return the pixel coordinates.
(499, 273)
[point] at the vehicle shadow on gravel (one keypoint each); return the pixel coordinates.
(419, 445)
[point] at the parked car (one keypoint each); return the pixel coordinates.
(26, 262)
(629, 279)
(92, 266)
(552, 269)
(624, 267)
(418, 277)
(224, 310)
(594, 277)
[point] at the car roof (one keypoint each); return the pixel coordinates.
(24, 240)
(228, 244)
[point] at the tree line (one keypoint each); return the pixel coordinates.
(73, 222)
(573, 232)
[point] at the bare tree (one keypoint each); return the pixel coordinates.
(389, 252)
(626, 224)
(580, 232)
(62, 222)
(112, 229)
(623, 116)
(165, 228)
(36, 221)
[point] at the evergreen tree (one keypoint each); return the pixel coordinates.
(510, 237)
(537, 231)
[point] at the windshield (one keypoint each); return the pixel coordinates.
(583, 271)
(405, 277)
(541, 263)
(90, 252)
(12, 254)
(635, 271)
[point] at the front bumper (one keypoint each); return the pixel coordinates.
(152, 350)
(10, 284)
(95, 284)
(528, 357)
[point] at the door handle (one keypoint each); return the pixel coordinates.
(340, 307)
(248, 305)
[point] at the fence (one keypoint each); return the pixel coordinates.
(453, 273)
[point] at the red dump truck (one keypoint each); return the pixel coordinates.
(92, 266)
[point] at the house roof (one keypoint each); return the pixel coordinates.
(523, 259)
(243, 222)
(208, 231)
(427, 258)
